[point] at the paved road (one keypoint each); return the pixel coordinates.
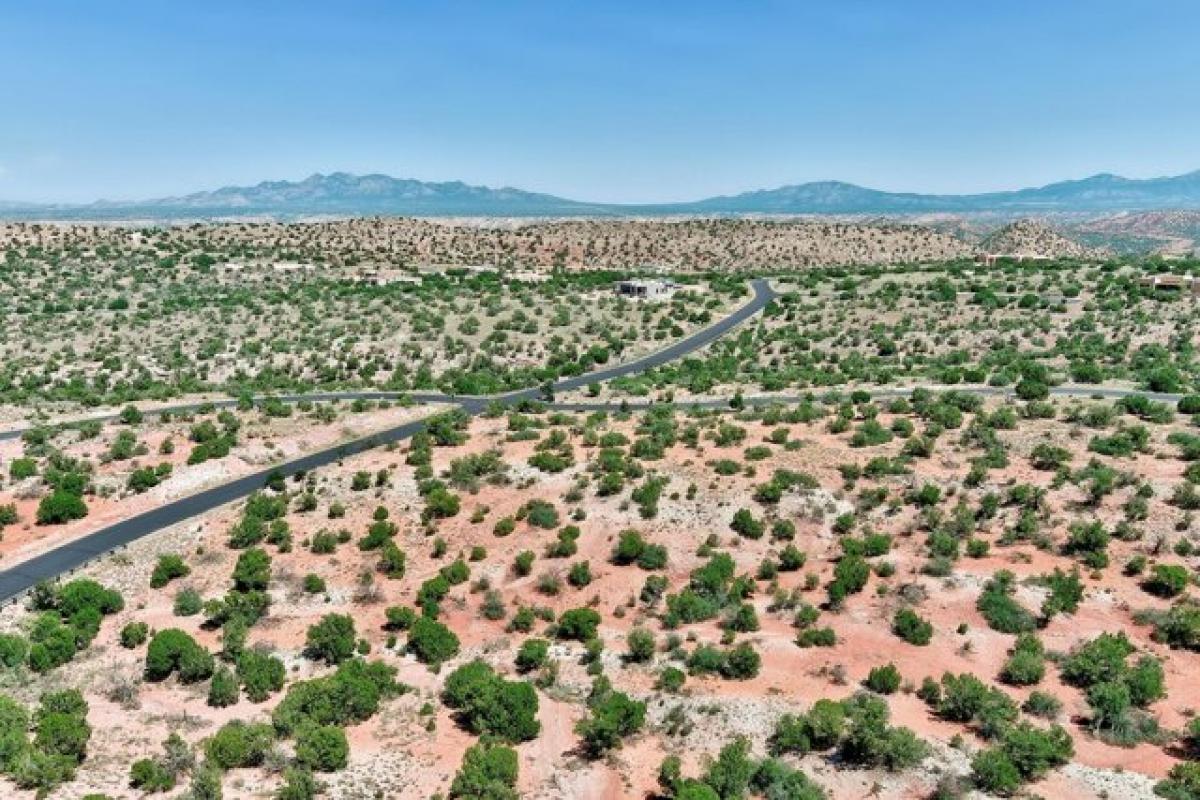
(16, 581)
(19, 579)
(762, 295)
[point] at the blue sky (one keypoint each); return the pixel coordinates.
(615, 101)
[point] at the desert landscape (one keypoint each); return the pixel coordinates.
(711, 584)
(600, 401)
(915, 530)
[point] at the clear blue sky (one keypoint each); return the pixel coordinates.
(618, 101)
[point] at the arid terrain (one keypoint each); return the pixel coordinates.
(711, 547)
(914, 529)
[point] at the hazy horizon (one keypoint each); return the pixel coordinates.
(468, 182)
(624, 103)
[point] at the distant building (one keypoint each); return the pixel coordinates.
(527, 276)
(1172, 283)
(386, 277)
(646, 290)
(990, 259)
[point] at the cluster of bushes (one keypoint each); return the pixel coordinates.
(735, 774)
(160, 774)
(612, 716)
(1179, 626)
(554, 453)
(489, 770)
(998, 607)
(60, 738)
(858, 727)
(211, 441)
(1115, 688)
(470, 471)
(488, 704)
(262, 520)
(143, 479)
(68, 481)
(741, 662)
(350, 694)
(168, 568)
(69, 620)
(174, 651)
(632, 548)
(440, 502)
(1024, 753)
(711, 589)
(965, 698)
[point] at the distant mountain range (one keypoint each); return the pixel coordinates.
(343, 194)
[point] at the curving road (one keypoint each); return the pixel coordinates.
(19, 579)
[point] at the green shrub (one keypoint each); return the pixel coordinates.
(261, 675)
(1024, 667)
(579, 624)
(322, 748)
(431, 641)
(1167, 580)
(745, 525)
(14, 649)
(641, 645)
(1179, 626)
(188, 603)
(1034, 751)
(351, 694)
(168, 568)
(910, 627)
(870, 741)
(884, 679)
(399, 618)
(223, 690)
(741, 663)
(173, 650)
(849, 577)
(1042, 704)
(239, 744)
(1099, 660)
(252, 571)
(994, 773)
(820, 728)
(298, 784)
(613, 716)
(997, 606)
(671, 679)
(1181, 783)
(488, 772)
(533, 654)
(488, 704)
(61, 733)
(331, 640)
(59, 507)
(816, 637)
(151, 776)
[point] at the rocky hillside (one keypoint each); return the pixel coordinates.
(1030, 237)
(720, 244)
(1166, 232)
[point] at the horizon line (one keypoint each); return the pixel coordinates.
(626, 203)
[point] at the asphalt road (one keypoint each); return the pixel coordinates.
(14, 582)
(17, 580)
(762, 295)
